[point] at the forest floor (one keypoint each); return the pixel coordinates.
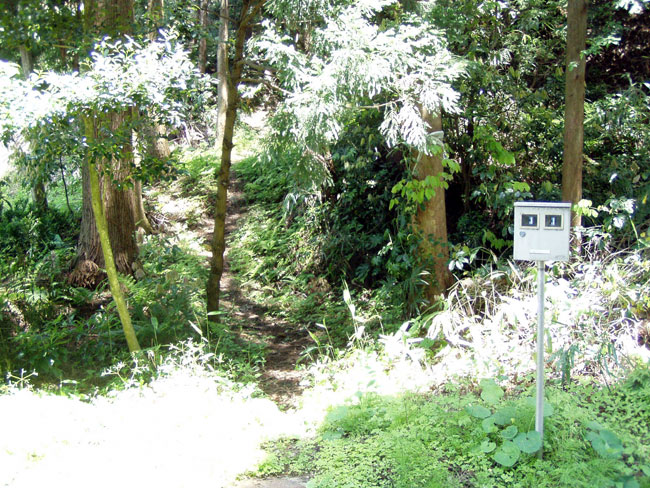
(280, 379)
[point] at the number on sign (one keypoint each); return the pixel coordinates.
(529, 220)
(553, 221)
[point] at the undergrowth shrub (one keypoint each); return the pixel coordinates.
(594, 313)
(26, 234)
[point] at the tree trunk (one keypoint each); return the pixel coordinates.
(222, 73)
(39, 195)
(114, 18)
(156, 10)
(226, 107)
(154, 135)
(229, 93)
(575, 99)
(203, 40)
(141, 220)
(26, 60)
(431, 220)
(111, 271)
(87, 272)
(120, 213)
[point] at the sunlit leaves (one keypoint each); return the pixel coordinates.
(357, 64)
(120, 75)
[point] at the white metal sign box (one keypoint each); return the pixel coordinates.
(542, 231)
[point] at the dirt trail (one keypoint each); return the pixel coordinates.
(284, 341)
(280, 379)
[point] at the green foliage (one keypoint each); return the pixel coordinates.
(120, 76)
(512, 102)
(506, 438)
(386, 75)
(414, 441)
(26, 235)
(604, 441)
(198, 168)
(42, 27)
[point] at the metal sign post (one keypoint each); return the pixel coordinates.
(539, 409)
(541, 234)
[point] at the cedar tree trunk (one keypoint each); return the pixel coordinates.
(431, 219)
(575, 104)
(114, 18)
(111, 271)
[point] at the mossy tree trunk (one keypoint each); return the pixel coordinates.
(104, 238)
(229, 81)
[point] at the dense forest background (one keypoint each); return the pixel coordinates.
(279, 191)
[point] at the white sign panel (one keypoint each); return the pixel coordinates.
(542, 231)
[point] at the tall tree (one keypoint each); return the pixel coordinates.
(575, 101)
(113, 18)
(230, 77)
(431, 216)
(222, 72)
(364, 58)
(24, 42)
(111, 199)
(155, 143)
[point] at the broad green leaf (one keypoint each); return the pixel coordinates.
(505, 415)
(478, 411)
(606, 444)
(488, 446)
(492, 392)
(529, 442)
(509, 432)
(488, 425)
(507, 455)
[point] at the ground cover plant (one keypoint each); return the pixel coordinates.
(438, 439)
